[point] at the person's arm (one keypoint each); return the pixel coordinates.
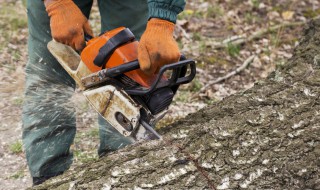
(157, 46)
(165, 9)
(68, 24)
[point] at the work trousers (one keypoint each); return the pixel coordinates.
(48, 114)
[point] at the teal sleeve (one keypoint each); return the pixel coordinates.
(165, 9)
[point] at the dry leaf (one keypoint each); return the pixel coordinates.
(188, 11)
(287, 15)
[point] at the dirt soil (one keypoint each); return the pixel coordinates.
(206, 32)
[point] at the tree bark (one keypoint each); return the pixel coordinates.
(267, 137)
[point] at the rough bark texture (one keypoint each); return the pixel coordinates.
(264, 138)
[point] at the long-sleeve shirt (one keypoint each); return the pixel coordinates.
(165, 9)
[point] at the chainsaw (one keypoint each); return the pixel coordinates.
(107, 71)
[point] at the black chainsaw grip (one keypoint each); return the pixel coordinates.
(177, 78)
(115, 71)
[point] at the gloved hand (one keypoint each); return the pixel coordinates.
(157, 46)
(68, 24)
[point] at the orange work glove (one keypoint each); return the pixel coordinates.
(157, 46)
(68, 24)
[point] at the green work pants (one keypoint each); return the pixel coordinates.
(48, 114)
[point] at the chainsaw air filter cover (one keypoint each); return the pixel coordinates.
(160, 100)
(156, 101)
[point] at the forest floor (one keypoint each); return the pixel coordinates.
(220, 35)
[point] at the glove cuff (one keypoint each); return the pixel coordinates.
(166, 11)
(159, 25)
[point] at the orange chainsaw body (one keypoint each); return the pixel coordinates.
(107, 64)
(125, 53)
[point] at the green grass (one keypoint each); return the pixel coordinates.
(255, 3)
(18, 23)
(214, 12)
(180, 43)
(280, 63)
(183, 96)
(93, 133)
(83, 152)
(196, 36)
(12, 20)
(310, 13)
(16, 147)
(211, 12)
(249, 18)
(83, 106)
(24, 2)
(274, 38)
(196, 85)
(17, 175)
(233, 50)
(17, 101)
(203, 47)
(85, 156)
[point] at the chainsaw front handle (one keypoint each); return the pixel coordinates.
(177, 77)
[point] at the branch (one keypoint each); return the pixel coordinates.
(245, 64)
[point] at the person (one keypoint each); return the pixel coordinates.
(48, 117)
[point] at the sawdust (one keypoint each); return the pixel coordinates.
(202, 22)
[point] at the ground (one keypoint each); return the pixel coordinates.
(205, 32)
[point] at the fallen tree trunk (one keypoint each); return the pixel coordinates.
(267, 137)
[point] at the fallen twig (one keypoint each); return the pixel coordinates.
(245, 64)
